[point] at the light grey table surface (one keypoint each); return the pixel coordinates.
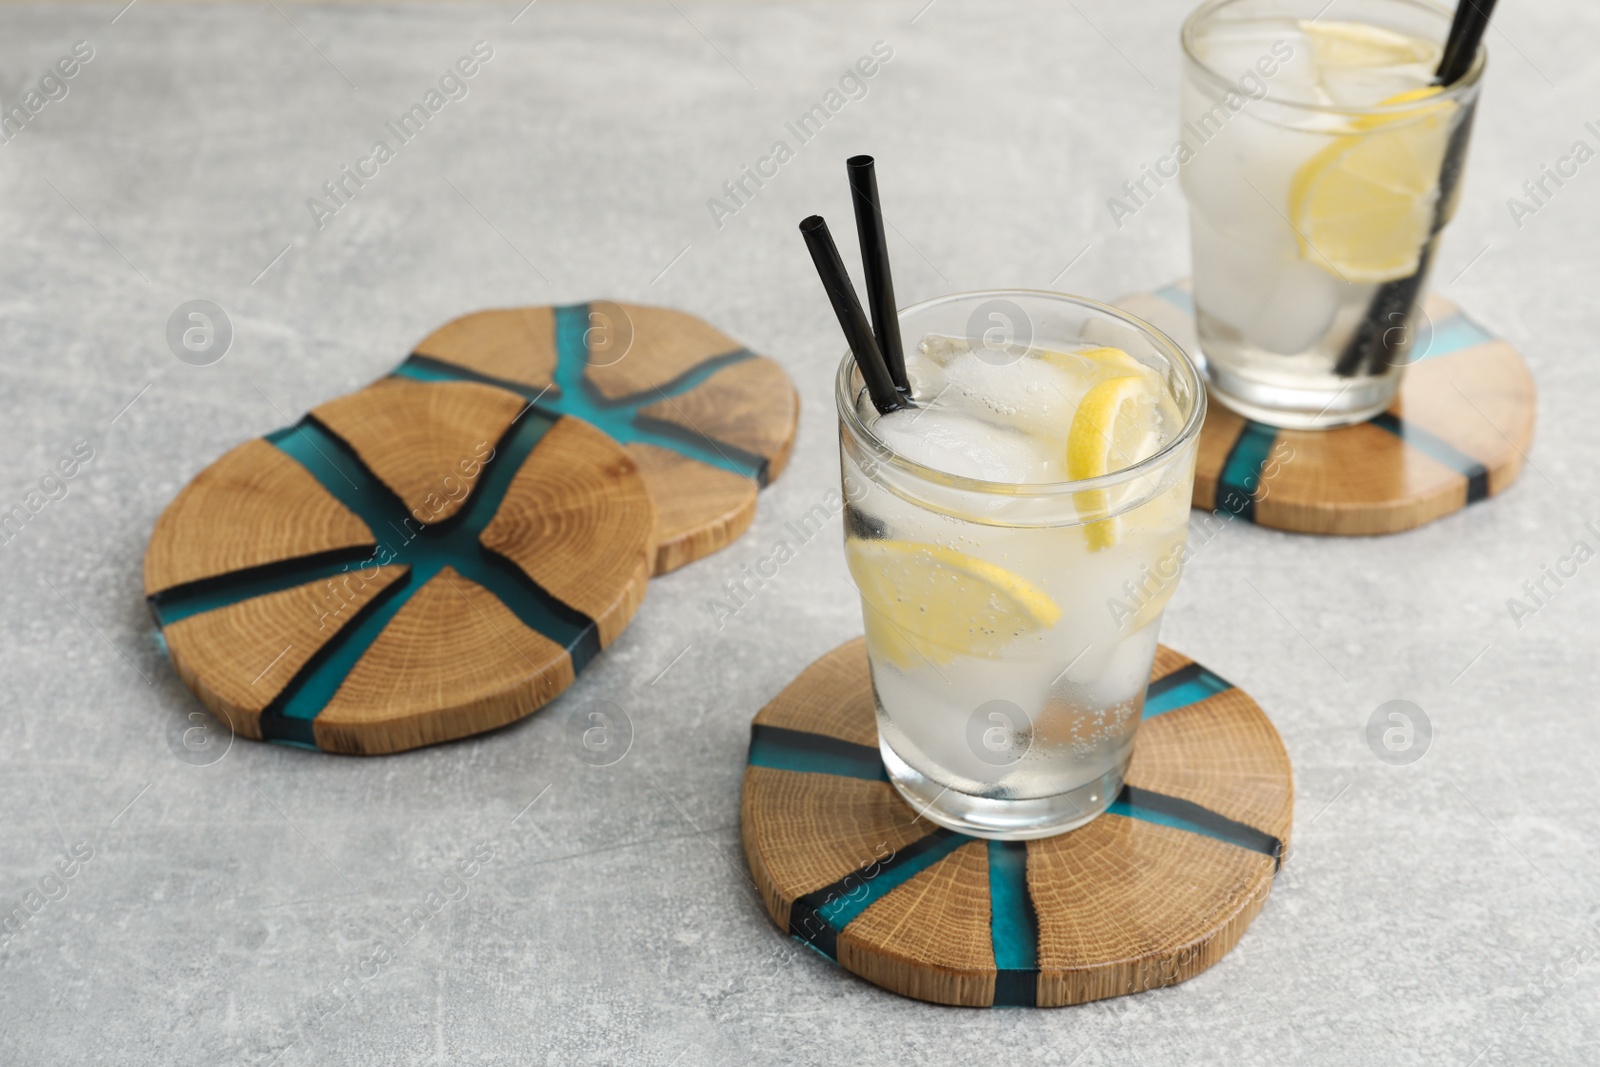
(1442, 912)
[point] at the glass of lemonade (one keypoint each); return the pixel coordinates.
(1015, 537)
(1320, 165)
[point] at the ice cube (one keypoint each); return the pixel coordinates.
(1241, 174)
(924, 373)
(1242, 51)
(940, 348)
(1124, 672)
(951, 442)
(1230, 278)
(1369, 86)
(1361, 64)
(1297, 310)
(1029, 395)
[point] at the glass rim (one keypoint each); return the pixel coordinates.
(1460, 88)
(845, 400)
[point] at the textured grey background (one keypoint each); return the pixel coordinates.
(1433, 913)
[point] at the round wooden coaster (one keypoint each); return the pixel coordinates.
(1458, 432)
(1151, 893)
(411, 563)
(707, 421)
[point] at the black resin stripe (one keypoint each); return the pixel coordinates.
(1437, 448)
(193, 598)
(1182, 814)
(819, 916)
(275, 725)
(1187, 673)
(801, 750)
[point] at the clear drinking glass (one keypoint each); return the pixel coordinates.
(1009, 732)
(1319, 177)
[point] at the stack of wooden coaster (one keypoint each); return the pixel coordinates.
(442, 552)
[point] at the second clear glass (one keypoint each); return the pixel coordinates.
(1314, 222)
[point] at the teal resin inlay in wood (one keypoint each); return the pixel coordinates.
(1184, 686)
(1241, 473)
(1014, 928)
(424, 549)
(621, 418)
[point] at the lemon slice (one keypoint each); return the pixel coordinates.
(1107, 362)
(927, 603)
(1112, 359)
(1115, 427)
(1363, 206)
(1359, 44)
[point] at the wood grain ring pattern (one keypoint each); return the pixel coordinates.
(404, 616)
(708, 421)
(1151, 893)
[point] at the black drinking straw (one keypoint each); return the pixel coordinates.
(1374, 341)
(852, 320)
(875, 266)
(1466, 33)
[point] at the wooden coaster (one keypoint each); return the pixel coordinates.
(1151, 893)
(414, 562)
(1458, 432)
(707, 421)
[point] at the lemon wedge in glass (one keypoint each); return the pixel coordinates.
(1361, 44)
(1363, 207)
(1115, 427)
(929, 603)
